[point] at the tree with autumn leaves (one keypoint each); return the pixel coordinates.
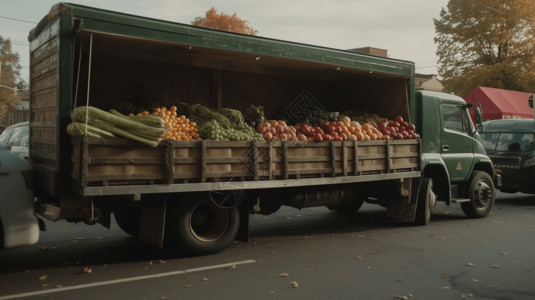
(13, 88)
(486, 43)
(222, 21)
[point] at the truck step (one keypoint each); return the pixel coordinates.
(460, 200)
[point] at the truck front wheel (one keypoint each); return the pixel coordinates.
(481, 193)
(201, 227)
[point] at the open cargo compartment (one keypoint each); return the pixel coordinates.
(138, 74)
(132, 75)
(112, 60)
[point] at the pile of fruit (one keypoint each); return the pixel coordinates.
(342, 130)
(196, 122)
(179, 128)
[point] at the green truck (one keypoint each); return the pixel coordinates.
(199, 194)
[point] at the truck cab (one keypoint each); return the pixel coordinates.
(453, 158)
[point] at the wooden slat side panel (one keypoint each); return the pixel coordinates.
(119, 161)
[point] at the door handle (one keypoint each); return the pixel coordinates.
(445, 148)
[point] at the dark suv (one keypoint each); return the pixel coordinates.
(510, 144)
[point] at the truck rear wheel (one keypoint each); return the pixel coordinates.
(201, 227)
(426, 201)
(481, 193)
(128, 221)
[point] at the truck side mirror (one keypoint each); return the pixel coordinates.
(530, 101)
(479, 118)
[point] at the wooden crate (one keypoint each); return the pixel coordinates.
(103, 162)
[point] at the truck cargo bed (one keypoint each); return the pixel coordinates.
(105, 166)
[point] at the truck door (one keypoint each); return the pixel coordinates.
(457, 143)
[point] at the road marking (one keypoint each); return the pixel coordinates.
(88, 285)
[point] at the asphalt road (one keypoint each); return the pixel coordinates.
(293, 254)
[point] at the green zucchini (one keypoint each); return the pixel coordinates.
(149, 120)
(94, 114)
(103, 124)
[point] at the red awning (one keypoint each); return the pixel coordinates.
(501, 104)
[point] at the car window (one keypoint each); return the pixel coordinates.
(16, 137)
(455, 118)
(6, 134)
(489, 140)
(516, 142)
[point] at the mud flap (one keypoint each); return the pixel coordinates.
(403, 209)
(152, 223)
(243, 231)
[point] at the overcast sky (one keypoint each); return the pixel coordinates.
(404, 28)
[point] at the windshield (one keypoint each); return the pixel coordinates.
(511, 142)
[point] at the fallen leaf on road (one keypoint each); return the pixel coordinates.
(359, 257)
(205, 279)
(293, 284)
(446, 287)
(399, 279)
(495, 266)
(503, 253)
(231, 267)
(470, 264)
(433, 233)
(401, 297)
(43, 277)
(161, 261)
(475, 280)
(444, 276)
(46, 248)
(59, 286)
(87, 270)
(284, 275)
(187, 285)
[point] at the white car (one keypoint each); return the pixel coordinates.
(19, 226)
(17, 136)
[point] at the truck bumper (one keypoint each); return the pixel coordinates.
(497, 178)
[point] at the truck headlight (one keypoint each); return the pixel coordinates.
(529, 162)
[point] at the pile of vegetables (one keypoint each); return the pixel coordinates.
(145, 129)
(231, 125)
(223, 125)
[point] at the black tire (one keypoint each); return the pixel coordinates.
(426, 201)
(128, 221)
(201, 227)
(350, 207)
(482, 193)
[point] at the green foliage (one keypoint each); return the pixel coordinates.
(486, 43)
(10, 80)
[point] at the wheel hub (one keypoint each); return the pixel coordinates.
(483, 195)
